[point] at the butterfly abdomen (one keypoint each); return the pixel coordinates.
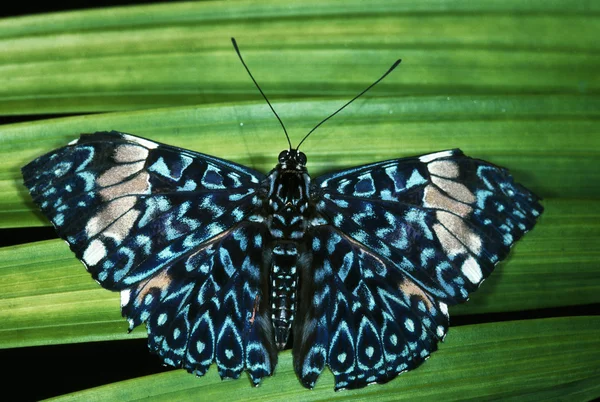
(283, 290)
(287, 222)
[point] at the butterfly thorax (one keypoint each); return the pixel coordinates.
(288, 200)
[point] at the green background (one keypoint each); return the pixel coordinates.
(512, 82)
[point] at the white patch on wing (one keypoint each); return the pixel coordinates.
(472, 270)
(440, 331)
(129, 153)
(138, 184)
(120, 228)
(459, 229)
(94, 252)
(436, 155)
(444, 308)
(433, 198)
(142, 141)
(450, 244)
(459, 191)
(108, 215)
(117, 174)
(125, 296)
(446, 169)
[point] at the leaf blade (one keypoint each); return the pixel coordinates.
(161, 55)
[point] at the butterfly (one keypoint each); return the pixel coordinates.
(225, 264)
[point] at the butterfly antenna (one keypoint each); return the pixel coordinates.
(351, 100)
(237, 50)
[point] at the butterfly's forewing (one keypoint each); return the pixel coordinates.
(162, 225)
(397, 241)
(126, 202)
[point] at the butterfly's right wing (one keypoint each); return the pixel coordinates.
(392, 244)
(171, 229)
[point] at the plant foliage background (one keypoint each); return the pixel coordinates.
(512, 82)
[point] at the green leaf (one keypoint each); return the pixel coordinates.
(524, 360)
(180, 53)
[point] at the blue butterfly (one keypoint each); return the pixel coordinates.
(223, 263)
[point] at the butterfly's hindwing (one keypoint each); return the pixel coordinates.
(365, 319)
(208, 308)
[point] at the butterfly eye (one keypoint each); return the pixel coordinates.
(301, 158)
(283, 156)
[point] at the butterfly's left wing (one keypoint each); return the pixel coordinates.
(393, 244)
(172, 230)
(210, 306)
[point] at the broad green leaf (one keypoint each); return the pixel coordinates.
(180, 53)
(534, 360)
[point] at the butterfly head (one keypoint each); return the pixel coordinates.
(292, 159)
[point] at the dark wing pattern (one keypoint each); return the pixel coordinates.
(363, 317)
(394, 243)
(170, 229)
